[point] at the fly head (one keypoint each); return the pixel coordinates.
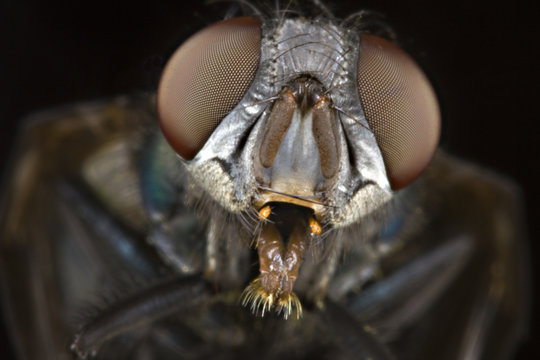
(296, 118)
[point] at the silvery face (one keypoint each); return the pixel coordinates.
(229, 168)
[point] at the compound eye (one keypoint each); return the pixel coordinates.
(205, 79)
(400, 107)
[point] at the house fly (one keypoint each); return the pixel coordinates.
(281, 196)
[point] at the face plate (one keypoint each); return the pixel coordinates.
(227, 167)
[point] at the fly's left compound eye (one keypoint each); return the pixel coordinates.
(205, 79)
(400, 107)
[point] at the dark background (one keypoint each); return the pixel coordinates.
(482, 58)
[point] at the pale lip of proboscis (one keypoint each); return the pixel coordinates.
(271, 196)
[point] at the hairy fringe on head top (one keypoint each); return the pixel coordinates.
(364, 21)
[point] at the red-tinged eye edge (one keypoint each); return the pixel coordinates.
(401, 108)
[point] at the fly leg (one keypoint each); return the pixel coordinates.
(462, 296)
(117, 248)
(227, 258)
(402, 298)
(149, 305)
(104, 239)
(354, 339)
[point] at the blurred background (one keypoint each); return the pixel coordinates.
(482, 58)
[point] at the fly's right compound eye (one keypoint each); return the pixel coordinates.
(205, 79)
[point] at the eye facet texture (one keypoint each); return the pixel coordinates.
(204, 80)
(400, 107)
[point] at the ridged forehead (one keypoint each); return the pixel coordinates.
(302, 46)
